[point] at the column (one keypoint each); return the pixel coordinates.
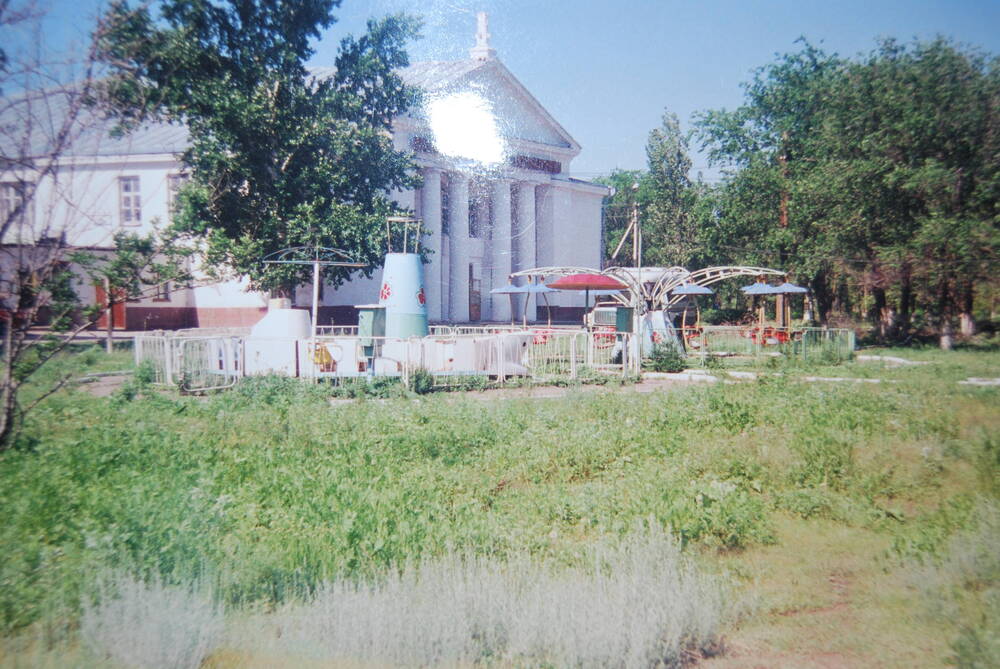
(430, 207)
(524, 236)
(458, 232)
(501, 248)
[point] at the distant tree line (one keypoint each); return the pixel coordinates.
(873, 180)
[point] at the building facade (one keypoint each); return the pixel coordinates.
(496, 198)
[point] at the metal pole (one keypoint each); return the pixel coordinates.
(315, 305)
(572, 356)
(637, 229)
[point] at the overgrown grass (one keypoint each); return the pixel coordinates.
(638, 603)
(267, 494)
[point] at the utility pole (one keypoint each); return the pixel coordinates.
(636, 228)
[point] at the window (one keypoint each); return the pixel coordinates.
(162, 293)
(473, 217)
(129, 202)
(174, 184)
(445, 206)
(13, 208)
(480, 212)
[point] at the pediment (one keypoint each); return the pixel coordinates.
(516, 113)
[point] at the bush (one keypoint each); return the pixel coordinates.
(421, 381)
(667, 358)
(639, 603)
(150, 624)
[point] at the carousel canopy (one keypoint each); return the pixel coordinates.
(760, 288)
(519, 290)
(790, 288)
(692, 289)
(587, 282)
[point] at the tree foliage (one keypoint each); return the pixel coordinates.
(662, 199)
(873, 178)
(43, 121)
(278, 157)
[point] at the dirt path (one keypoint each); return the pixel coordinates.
(821, 598)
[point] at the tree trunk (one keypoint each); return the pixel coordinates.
(967, 323)
(946, 329)
(109, 342)
(823, 298)
(885, 317)
(905, 301)
(8, 389)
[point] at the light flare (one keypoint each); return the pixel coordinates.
(464, 126)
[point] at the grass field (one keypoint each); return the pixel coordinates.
(773, 522)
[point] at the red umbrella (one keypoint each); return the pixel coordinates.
(587, 282)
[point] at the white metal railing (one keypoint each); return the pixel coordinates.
(456, 353)
(207, 363)
(336, 330)
(807, 343)
(191, 363)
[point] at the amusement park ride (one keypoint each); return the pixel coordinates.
(639, 312)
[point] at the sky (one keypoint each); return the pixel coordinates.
(607, 71)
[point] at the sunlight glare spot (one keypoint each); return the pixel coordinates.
(464, 126)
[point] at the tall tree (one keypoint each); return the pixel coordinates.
(669, 234)
(43, 122)
(766, 148)
(879, 171)
(631, 193)
(279, 158)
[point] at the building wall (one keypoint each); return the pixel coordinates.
(529, 215)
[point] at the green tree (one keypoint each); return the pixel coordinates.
(661, 198)
(914, 128)
(138, 266)
(278, 158)
(766, 147)
(879, 172)
(631, 193)
(669, 234)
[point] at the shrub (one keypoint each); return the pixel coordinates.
(720, 513)
(150, 624)
(639, 603)
(667, 358)
(421, 381)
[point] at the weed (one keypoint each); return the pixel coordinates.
(667, 358)
(639, 603)
(421, 381)
(151, 624)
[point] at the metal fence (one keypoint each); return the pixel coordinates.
(456, 355)
(540, 355)
(192, 363)
(830, 344)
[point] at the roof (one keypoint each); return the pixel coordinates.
(92, 134)
(31, 125)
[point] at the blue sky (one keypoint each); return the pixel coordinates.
(607, 70)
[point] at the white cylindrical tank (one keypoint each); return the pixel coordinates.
(281, 321)
(273, 344)
(402, 294)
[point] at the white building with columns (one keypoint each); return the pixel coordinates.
(496, 195)
(496, 198)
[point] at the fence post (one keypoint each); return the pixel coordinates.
(168, 360)
(500, 360)
(572, 356)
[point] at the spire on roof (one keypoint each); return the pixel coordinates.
(482, 51)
